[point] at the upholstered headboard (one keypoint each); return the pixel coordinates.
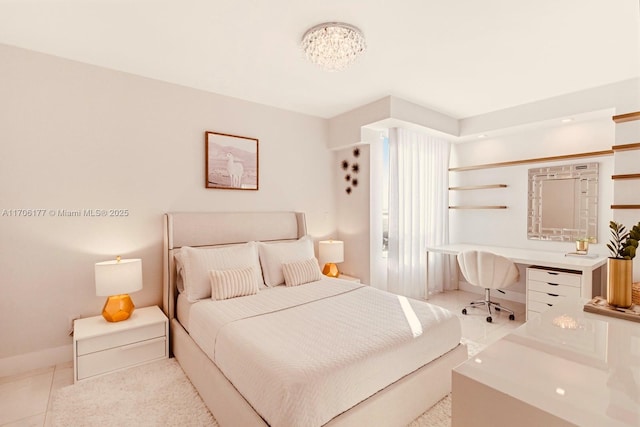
(198, 229)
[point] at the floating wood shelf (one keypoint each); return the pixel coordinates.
(626, 117)
(477, 207)
(625, 206)
(626, 176)
(478, 187)
(537, 160)
(625, 147)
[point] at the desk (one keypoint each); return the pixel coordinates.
(586, 266)
(564, 367)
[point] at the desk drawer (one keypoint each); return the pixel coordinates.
(556, 277)
(544, 297)
(531, 314)
(553, 288)
(538, 306)
(120, 357)
(120, 338)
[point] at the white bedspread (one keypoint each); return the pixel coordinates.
(303, 355)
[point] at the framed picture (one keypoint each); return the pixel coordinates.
(232, 161)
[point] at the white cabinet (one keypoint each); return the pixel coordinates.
(100, 347)
(546, 287)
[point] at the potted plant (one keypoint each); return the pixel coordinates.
(622, 248)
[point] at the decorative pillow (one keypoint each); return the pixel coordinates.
(273, 255)
(233, 283)
(301, 272)
(197, 262)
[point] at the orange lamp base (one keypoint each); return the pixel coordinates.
(331, 270)
(118, 308)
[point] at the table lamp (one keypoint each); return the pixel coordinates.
(114, 279)
(331, 252)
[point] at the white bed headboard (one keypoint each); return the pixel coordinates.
(197, 229)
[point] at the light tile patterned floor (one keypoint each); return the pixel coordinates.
(25, 398)
(474, 324)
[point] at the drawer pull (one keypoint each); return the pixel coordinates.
(553, 273)
(550, 305)
(553, 295)
(553, 284)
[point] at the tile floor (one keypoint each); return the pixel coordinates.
(25, 399)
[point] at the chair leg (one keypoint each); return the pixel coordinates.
(487, 302)
(497, 304)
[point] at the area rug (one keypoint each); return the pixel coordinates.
(154, 394)
(159, 394)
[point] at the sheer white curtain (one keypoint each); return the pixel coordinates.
(418, 214)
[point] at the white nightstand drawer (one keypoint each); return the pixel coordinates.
(552, 276)
(554, 288)
(120, 338)
(544, 298)
(120, 357)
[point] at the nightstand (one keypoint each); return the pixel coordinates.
(349, 278)
(101, 347)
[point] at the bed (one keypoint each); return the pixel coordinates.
(325, 352)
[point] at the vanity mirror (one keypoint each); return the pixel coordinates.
(563, 202)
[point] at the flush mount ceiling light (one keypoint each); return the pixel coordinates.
(333, 45)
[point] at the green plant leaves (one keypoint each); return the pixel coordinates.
(623, 244)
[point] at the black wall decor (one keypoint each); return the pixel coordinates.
(351, 178)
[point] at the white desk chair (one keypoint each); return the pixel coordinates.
(489, 271)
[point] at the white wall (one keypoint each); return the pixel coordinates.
(353, 211)
(508, 227)
(75, 136)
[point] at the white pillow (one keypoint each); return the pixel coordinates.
(197, 262)
(301, 272)
(237, 282)
(273, 255)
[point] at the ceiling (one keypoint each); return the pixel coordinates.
(459, 57)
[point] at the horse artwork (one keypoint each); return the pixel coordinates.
(231, 161)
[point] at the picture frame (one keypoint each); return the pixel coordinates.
(231, 161)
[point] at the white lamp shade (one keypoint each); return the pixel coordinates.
(331, 251)
(118, 277)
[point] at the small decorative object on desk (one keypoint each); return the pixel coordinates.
(582, 246)
(599, 305)
(635, 293)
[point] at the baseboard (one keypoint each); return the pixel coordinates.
(35, 360)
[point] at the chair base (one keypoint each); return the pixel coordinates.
(488, 303)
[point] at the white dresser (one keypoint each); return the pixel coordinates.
(547, 287)
(100, 347)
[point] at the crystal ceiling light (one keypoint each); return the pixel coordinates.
(333, 45)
